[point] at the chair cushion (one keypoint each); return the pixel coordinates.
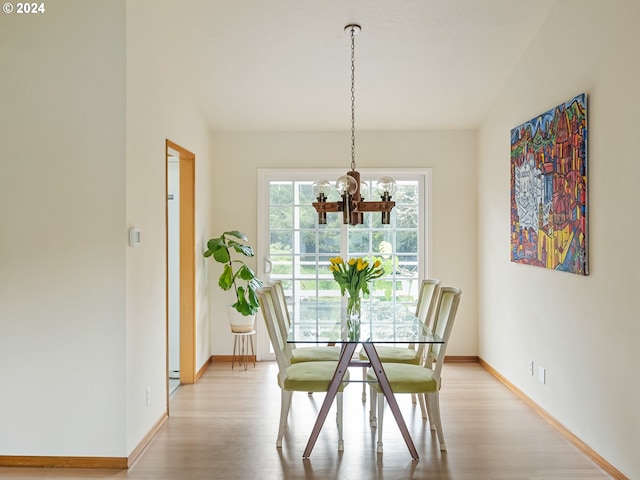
(311, 377)
(394, 355)
(315, 354)
(405, 378)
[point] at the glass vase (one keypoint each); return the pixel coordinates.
(353, 316)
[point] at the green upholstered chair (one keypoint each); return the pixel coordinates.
(421, 379)
(296, 377)
(409, 354)
(298, 354)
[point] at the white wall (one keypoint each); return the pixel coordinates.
(583, 330)
(451, 154)
(82, 315)
(159, 107)
(62, 231)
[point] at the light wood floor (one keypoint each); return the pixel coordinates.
(224, 427)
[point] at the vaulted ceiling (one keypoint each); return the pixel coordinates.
(284, 65)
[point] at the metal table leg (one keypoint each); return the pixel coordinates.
(391, 399)
(343, 362)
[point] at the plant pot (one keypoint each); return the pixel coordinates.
(240, 323)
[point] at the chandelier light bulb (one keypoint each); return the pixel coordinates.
(321, 188)
(346, 184)
(364, 190)
(386, 187)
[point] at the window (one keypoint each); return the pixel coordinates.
(298, 250)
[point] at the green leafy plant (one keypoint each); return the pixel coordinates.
(354, 276)
(235, 273)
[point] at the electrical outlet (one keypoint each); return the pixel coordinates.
(542, 375)
(531, 368)
(148, 396)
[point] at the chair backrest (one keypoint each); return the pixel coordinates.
(442, 324)
(426, 299)
(282, 312)
(266, 298)
(424, 308)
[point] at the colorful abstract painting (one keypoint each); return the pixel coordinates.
(549, 189)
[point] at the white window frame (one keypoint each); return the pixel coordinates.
(267, 175)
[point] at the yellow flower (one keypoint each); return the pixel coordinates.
(354, 275)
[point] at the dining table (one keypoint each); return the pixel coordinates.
(410, 331)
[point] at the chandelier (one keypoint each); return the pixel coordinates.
(353, 204)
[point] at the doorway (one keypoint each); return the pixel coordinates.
(180, 265)
(173, 268)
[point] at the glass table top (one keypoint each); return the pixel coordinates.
(409, 330)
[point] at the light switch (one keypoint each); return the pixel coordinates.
(134, 237)
(542, 375)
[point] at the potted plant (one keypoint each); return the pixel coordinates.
(238, 276)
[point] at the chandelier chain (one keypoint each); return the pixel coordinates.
(353, 100)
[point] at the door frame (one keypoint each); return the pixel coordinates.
(187, 263)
